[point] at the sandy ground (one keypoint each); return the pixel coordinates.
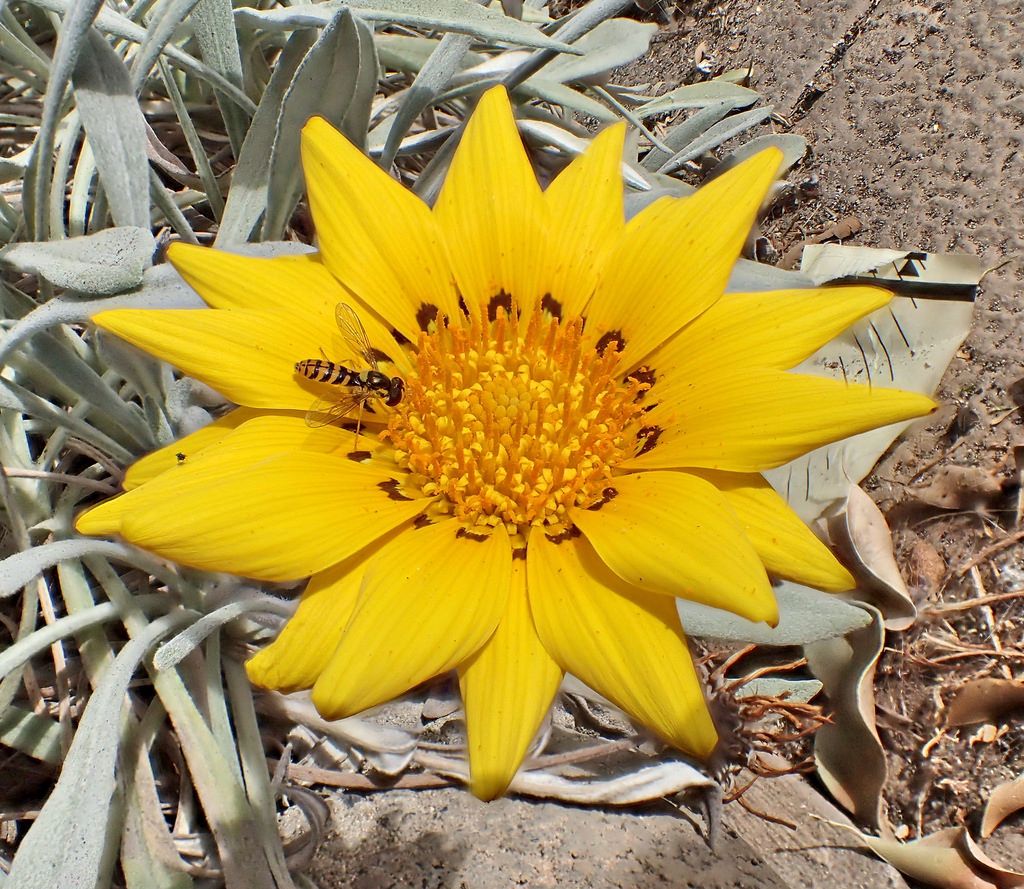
(915, 113)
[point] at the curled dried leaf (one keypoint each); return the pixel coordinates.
(985, 700)
(862, 536)
(938, 860)
(1006, 799)
(849, 754)
(959, 487)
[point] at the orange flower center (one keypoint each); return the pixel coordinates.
(513, 420)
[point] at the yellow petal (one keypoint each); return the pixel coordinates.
(749, 420)
(429, 599)
(231, 281)
(623, 642)
(674, 259)
(288, 517)
(492, 212)
(301, 285)
(257, 438)
(788, 548)
(247, 356)
(507, 688)
(297, 657)
(587, 221)
(675, 534)
(104, 519)
(177, 453)
(777, 329)
(376, 237)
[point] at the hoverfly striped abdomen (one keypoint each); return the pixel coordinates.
(323, 371)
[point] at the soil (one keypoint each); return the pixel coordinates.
(915, 116)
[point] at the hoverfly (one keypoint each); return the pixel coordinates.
(362, 385)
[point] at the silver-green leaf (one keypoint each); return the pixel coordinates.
(110, 261)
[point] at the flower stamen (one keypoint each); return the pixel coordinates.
(512, 420)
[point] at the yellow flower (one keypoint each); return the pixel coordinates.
(584, 421)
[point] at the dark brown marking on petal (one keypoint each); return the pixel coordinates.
(500, 300)
(380, 355)
(351, 424)
(180, 457)
(400, 337)
(613, 336)
(422, 521)
(645, 376)
(519, 552)
(570, 533)
(359, 456)
(425, 314)
(463, 306)
(551, 305)
(648, 437)
(607, 495)
(391, 488)
(478, 536)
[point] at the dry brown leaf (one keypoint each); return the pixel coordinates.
(947, 859)
(985, 700)
(1001, 876)
(959, 487)
(936, 860)
(849, 755)
(1006, 799)
(845, 228)
(862, 536)
(925, 568)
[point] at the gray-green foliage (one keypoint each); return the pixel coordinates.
(180, 118)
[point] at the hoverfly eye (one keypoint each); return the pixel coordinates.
(396, 390)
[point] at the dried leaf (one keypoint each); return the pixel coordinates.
(906, 345)
(861, 535)
(1001, 876)
(985, 700)
(959, 487)
(936, 860)
(1006, 799)
(925, 568)
(849, 754)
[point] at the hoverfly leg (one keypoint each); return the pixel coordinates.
(359, 425)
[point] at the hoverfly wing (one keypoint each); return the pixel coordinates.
(354, 333)
(327, 410)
